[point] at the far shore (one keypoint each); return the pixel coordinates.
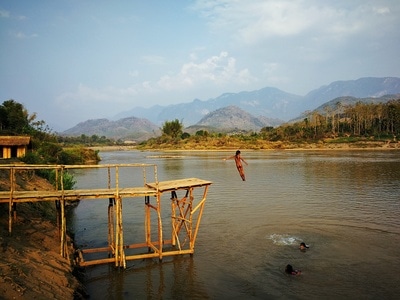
(308, 147)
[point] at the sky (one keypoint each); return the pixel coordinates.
(73, 60)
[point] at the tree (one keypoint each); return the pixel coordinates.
(14, 117)
(172, 128)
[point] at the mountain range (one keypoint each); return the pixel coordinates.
(247, 110)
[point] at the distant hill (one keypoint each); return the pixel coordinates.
(127, 128)
(268, 102)
(232, 118)
(341, 102)
(265, 107)
(367, 87)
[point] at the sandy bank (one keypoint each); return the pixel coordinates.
(31, 266)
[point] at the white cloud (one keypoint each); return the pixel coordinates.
(254, 21)
(153, 59)
(4, 13)
(381, 10)
(134, 73)
(217, 70)
(93, 97)
(21, 35)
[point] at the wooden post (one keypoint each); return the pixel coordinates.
(201, 206)
(58, 207)
(109, 177)
(190, 225)
(111, 231)
(12, 188)
(147, 222)
(58, 217)
(174, 198)
(119, 245)
(63, 219)
(160, 233)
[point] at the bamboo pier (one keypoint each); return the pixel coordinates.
(183, 222)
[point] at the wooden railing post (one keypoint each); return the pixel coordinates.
(11, 204)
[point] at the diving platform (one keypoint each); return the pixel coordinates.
(183, 222)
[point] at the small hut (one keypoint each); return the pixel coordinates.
(13, 146)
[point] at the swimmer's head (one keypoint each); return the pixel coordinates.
(289, 269)
(303, 246)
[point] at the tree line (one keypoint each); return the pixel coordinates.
(378, 120)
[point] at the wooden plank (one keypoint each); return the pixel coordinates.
(74, 195)
(172, 185)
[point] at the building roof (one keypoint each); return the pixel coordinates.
(14, 140)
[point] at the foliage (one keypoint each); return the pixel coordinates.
(83, 139)
(172, 129)
(14, 117)
(68, 180)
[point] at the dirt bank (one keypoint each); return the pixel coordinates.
(31, 266)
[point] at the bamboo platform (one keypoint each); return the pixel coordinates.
(185, 218)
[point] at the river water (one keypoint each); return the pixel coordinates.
(344, 204)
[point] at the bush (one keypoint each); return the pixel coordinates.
(68, 180)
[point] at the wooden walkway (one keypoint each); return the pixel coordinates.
(186, 212)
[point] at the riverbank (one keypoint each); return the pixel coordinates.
(31, 266)
(362, 145)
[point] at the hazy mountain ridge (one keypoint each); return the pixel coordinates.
(131, 127)
(265, 107)
(367, 87)
(340, 102)
(268, 102)
(231, 118)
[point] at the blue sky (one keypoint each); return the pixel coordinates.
(70, 61)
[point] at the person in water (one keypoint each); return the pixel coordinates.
(238, 161)
(289, 270)
(303, 246)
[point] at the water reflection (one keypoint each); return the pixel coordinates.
(173, 166)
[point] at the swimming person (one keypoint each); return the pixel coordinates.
(289, 270)
(238, 161)
(303, 246)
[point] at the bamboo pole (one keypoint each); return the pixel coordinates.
(190, 225)
(63, 219)
(117, 239)
(147, 222)
(173, 217)
(12, 188)
(109, 177)
(160, 233)
(111, 231)
(120, 258)
(201, 205)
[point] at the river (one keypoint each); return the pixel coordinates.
(344, 204)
